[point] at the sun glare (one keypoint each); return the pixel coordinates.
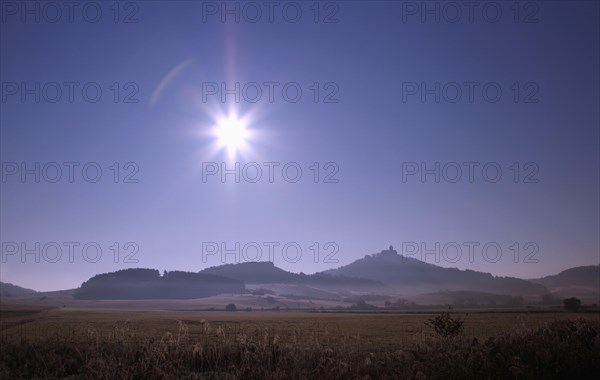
(231, 133)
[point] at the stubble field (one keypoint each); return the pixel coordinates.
(101, 343)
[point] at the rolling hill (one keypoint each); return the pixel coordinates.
(412, 276)
(9, 290)
(585, 277)
(149, 284)
(384, 273)
(582, 282)
(265, 272)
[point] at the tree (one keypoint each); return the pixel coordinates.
(515, 301)
(402, 303)
(230, 307)
(446, 326)
(572, 304)
(548, 299)
(459, 301)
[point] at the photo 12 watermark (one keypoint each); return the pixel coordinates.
(453, 252)
(69, 172)
(470, 12)
(470, 92)
(270, 92)
(69, 12)
(270, 172)
(69, 251)
(271, 12)
(470, 172)
(53, 92)
(289, 251)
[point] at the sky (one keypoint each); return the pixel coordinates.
(463, 135)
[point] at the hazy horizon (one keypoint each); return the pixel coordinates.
(161, 270)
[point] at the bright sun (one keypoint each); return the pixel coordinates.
(231, 133)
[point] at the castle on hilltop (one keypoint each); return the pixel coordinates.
(389, 251)
(385, 252)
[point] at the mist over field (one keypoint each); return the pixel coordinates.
(299, 189)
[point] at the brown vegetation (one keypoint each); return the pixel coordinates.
(263, 350)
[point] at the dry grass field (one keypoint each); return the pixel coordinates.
(116, 343)
(369, 331)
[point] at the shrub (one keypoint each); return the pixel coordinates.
(549, 299)
(446, 326)
(230, 307)
(572, 304)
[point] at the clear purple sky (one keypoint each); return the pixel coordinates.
(372, 59)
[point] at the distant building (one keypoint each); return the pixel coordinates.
(389, 251)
